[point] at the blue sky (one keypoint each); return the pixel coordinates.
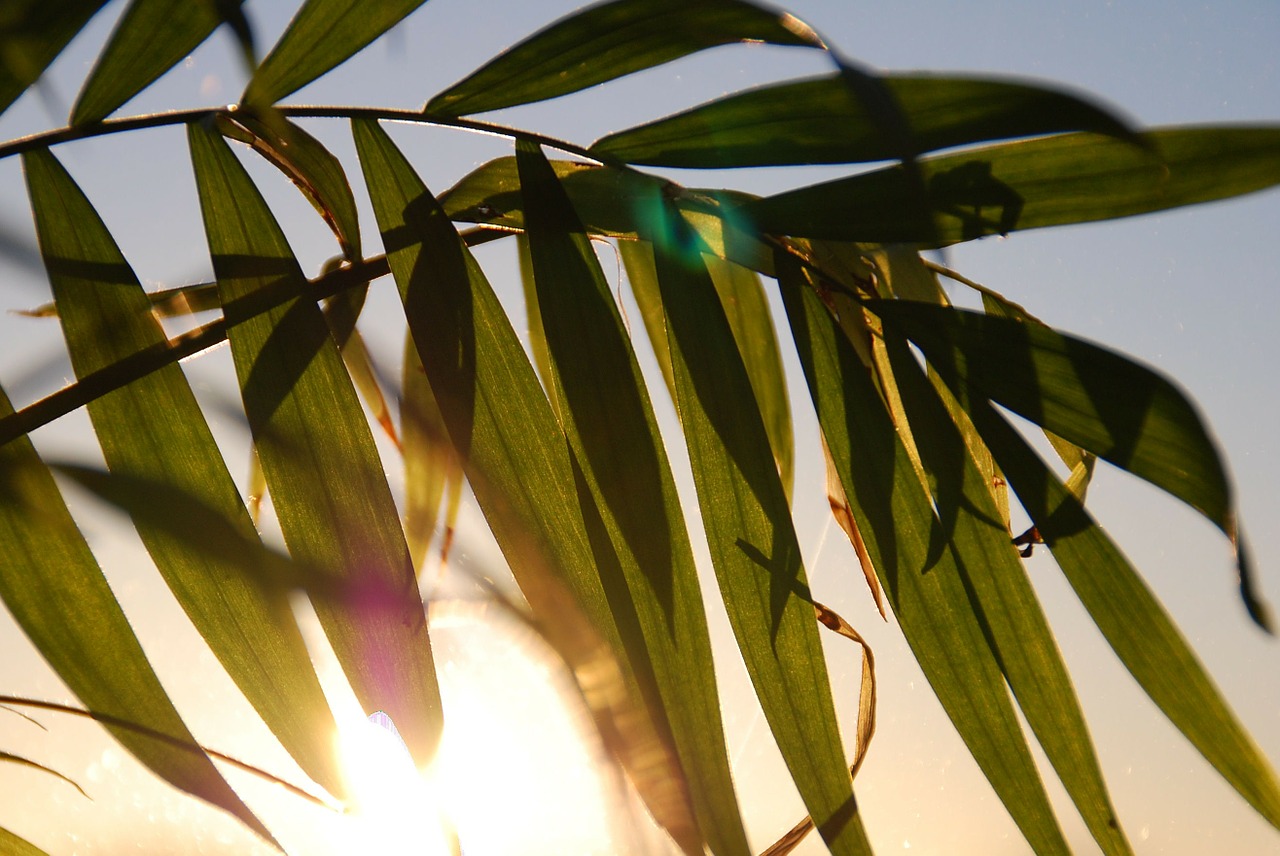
(1192, 293)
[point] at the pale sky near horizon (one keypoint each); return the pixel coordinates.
(1192, 292)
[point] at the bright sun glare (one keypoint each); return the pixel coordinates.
(520, 769)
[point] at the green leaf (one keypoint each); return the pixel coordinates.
(1001, 594)
(32, 34)
(753, 543)
(308, 164)
(817, 121)
(924, 586)
(519, 466)
(324, 474)
(610, 40)
(1095, 398)
(1130, 617)
(153, 429)
(56, 592)
(151, 37)
(322, 35)
(1069, 178)
(604, 409)
(430, 464)
(613, 202)
(12, 845)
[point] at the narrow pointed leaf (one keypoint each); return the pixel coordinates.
(1069, 178)
(609, 40)
(605, 411)
(1001, 594)
(35, 32)
(816, 121)
(611, 202)
(154, 429)
(753, 543)
(325, 477)
(308, 164)
(430, 463)
(1130, 617)
(151, 37)
(56, 592)
(323, 34)
(897, 522)
(1117, 409)
(341, 312)
(518, 463)
(749, 317)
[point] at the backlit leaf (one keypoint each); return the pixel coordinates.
(50, 576)
(1130, 617)
(1103, 402)
(322, 35)
(151, 37)
(609, 40)
(1069, 178)
(896, 519)
(12, 845)
(519, 466)
(818, 121)
(153, 429)
(326, 480)
(604, 409)
(752, 541)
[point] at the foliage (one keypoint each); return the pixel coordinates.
(566, 461)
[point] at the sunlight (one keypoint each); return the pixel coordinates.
(394, 808)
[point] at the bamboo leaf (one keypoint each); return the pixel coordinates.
(1130, 617)
(325, 477)
(896, 518)
(151, 37)
(322, 35)
(609, 40)
(1069, 178)
(305, 162)
(12, 845)
(605, 412)
(33, 34)
(753, 543)
(519, 466)
(817, 121)
(642, 276)
(1095, 398)
(1002, 596)
(153, 429)
(612, 202)
(430, 463)
(51, 575)
(843, 514)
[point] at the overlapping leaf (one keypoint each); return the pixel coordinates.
(1129, 616)
(518, 464)
(151, 37)
(153, 430)
(818, 121)
(325, 477)
(1105, 403)
(609, 40)
(896, 519)
(12, 845)
(604, 409)
(1069, 178)
(323, 34)
(50, 575)
(752, 541)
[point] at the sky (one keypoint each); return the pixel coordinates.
(1192, 293)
